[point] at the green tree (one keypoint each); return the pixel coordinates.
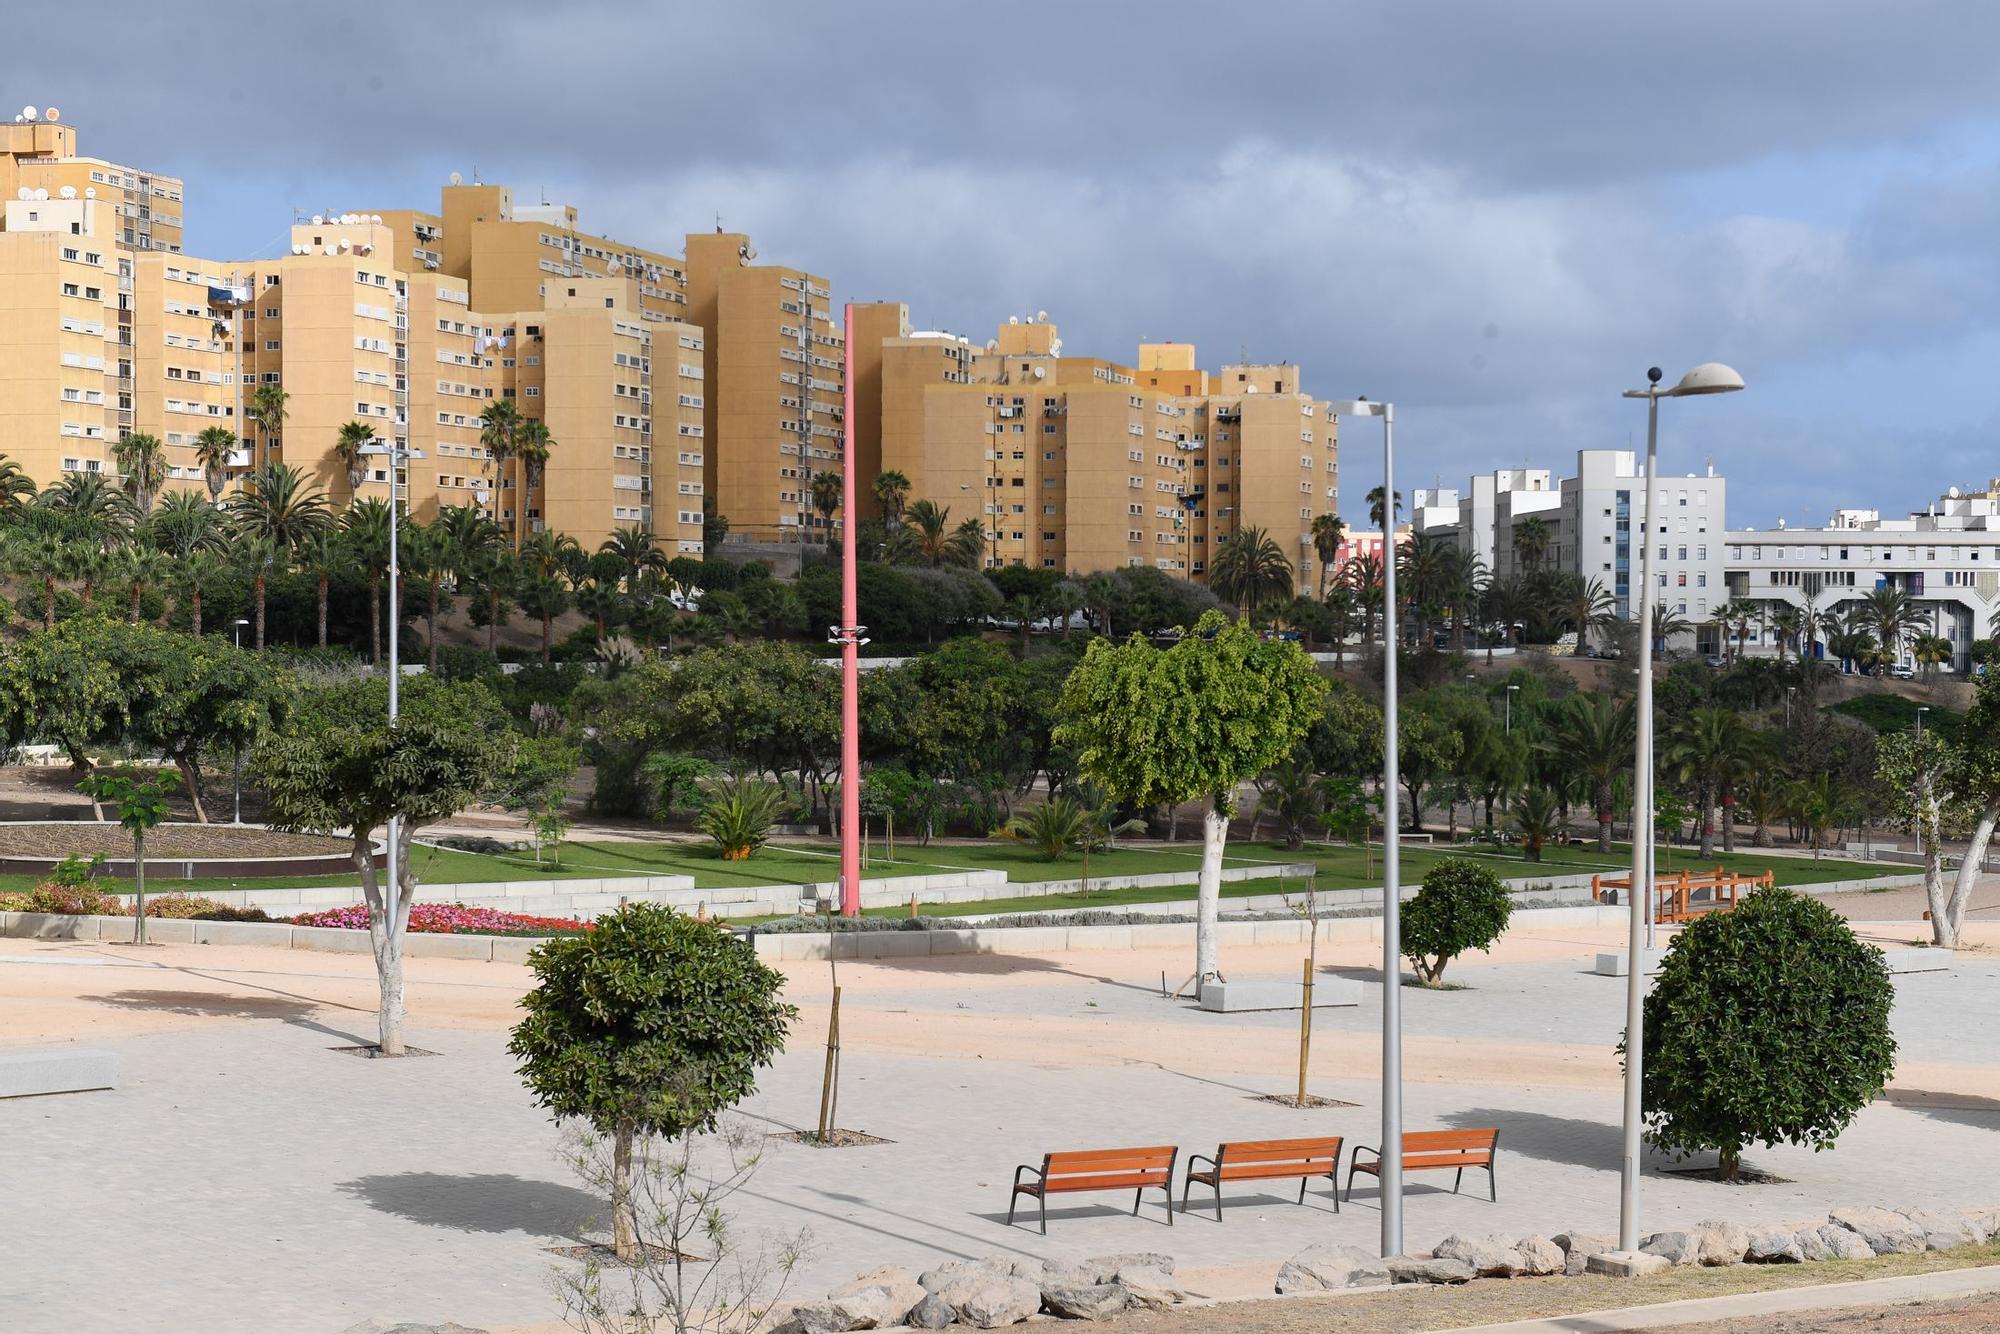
(537, 783)
(1328, 533)
(1169, 726)
(341, 768)
(1713, 751)
(1767, 1023)
(364, 533)
(926, 537)
(1975, 780)
(142, 804)
(212, 449)
(892, 492)
(350, 451)
(1537, 818)
(499, 428)
(1916, 774)
(1595, 735)
(1249, 569)
(269, 406)
(1461, 906)
(142, 464)
(650, 1024)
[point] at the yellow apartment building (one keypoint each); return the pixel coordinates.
(181, 358)
(59, 336)
(143, 210)
(773, 387)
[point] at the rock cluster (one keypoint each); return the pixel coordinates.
(991, 1293)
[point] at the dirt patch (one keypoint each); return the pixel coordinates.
(87, 839)
(1313, 1100)
(837, 1139)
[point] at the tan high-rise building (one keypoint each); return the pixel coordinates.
(143, 209)
(773, 392)
(59, 337)
(1080, 464)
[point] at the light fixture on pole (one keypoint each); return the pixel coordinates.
(1922, 709)
(1711, 377)
(1390, 1168)
(848, 635)
(398, 453)
(1510, 709)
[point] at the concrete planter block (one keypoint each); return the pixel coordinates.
(1100, 937)
(895, 944)
(271, 934)
(1279, 933)
(953, 942)
(842, 945)
(1917, 960)
(516, 949)
(54, 926)
(1165, 935)
(436, 945)
(25, 1074)
(159, 930)
(1271, 994)
(1028, 940)
(330, 939)
(1616, 965)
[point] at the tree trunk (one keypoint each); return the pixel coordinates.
(1946, 926)
(189, 777)
(493, 620)
(1208, 900)
(385, 935)
(258, 589)
(375, 617)
(1728, 807)
(1728, 1162)
(1707, 818)
(137, 590)
(194, 612)
(49, 606)
(323, 583)
(624, 1219)
(431, 621)
(546, 618)
(139, 886)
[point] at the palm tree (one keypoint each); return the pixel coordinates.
(827, 494)
(185, 524)
(1712, 751)
(1786, 623)
(1930, 651)
(16, 487)
(1249, 569)
(349, 444)
(1667, 623)
(1537, 819)
(429, 551)
(1341, 609)
(1364, 576)
(193, 575)
(1375, 511)
(637, 552)
(1594, 735)
(262, 557)
(267, 412)
(212, 449)
(319, 558)
(1585, 605)
(499, 428)
(1890, 614)
(136, 566)
(543, 592)
(892, 489)
(532, 444)
(1532, 540)
(1328, 532)
(365, 534)
(276, 511)
(142, 462)
(90, 496)
(46, 557)
(926, 537)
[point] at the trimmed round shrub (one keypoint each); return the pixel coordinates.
(1462, 906)
(1768, 1022)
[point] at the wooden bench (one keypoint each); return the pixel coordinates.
(1136, 1170)
(1429, 1150)
(1267, 1160)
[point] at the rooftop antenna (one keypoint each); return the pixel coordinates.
(718, 224)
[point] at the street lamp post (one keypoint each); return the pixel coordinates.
(1390, 1173)
(1922, 709)
(1708, 378)
(1510, 709)
(398, 453)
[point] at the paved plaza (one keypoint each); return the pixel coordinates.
(246, 1176)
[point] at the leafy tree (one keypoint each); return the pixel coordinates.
(1428, 748)
(650, 1024)
(1461, 906)
(1975, 778)
(537, 783)
(1769, 1022)
(676, 781)
(1916, 773)
(1346, 741)
(1294, 796)
(339, 767)
(142, 804)
(1168, 726)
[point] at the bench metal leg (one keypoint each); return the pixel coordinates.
(1043, 1200)
(1169, 1189)
(1456, 1180)
(1137, 1196)
(1303, 1181)
(1187, 1188)
(1218, 1196)
(1492, 1184)
(1012, 1200)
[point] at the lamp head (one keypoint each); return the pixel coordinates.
(1653, 374)
(1711, 377)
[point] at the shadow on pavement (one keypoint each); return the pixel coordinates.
(297, 1012)
(480, 1202)
(1966, 1109)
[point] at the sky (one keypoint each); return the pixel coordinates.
(1496, 215)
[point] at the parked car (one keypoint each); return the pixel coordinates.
(1903, 672)
(1714, 660)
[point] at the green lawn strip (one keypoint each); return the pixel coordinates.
(1418, 1307)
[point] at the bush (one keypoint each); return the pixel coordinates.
(1462, 906)
(1768, 1022)
(182, 907)
(13, 903)
(738, 815)
(83, 900)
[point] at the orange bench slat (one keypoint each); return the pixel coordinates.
(1100, 1181)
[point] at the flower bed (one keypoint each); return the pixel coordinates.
(456, 919)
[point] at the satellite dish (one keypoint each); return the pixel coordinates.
(319, 220)
(457, 179)
(341, 246)
(1042, 316)
(27, 113)
(375, 218)
(24, 193)
(90, 192)
(1952, 492)
(52, 115)
(41, 193)
(69, 192)
(1040, 372)
(1013, 319)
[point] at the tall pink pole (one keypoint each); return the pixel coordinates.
(850, 649)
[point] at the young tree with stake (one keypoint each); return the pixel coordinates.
(1195, 721)
(142, 805)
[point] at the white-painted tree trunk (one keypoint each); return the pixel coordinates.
(1208, 894)
(1946, 926)
(385, 935)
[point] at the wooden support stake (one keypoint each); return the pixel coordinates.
(913, 905)
(832, 1057)
(1305, 1027)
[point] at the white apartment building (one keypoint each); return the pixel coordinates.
(1592, 519)
(1946, 558)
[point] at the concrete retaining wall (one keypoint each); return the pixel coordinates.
(269, 935)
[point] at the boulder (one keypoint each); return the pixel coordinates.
(1676, 1248)
(1540, 1256)
(1150, 1288)
(1578, 1247)
(1830, 1241)
(1942, 1231)
(938, 1276)
(817, 1318)
(933, 1312)
(1719, 1243)
(1489, 1257)
(1062, 1274)
(1982, 1223)
(1774, 1246)
(987, 1300)
(878, 1298)
(1427, 1269)
(1326, 1268)
(409, 1327)
(1886, 1232)
(1104, 1268)
(1094, 1301)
